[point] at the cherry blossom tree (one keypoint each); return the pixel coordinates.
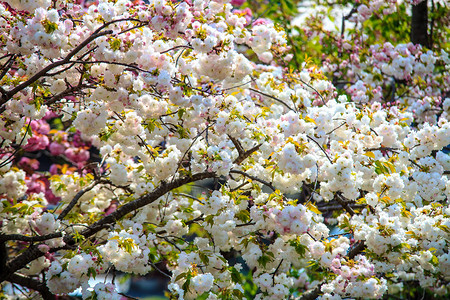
(326, 149)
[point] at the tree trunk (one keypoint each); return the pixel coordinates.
(419, 24)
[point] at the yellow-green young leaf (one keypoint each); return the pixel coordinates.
(235, 275)
(236, 92)
(406, 245)
(310, 120)
(434, 261)
(312, 263)
(436, 205)
(406, 213)
(444, 228)
(385, 199)
(19, 205)
(390, 166)
(313, 208)
(361, 201)
(243, 215)
(370, 154)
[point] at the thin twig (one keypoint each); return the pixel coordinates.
(272, 97)
(268, 184)
(11, 157)
(75, 199)
(321, 148)
(177, 47)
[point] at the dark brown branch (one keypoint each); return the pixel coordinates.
(357, 249)
(312, 294)
(345, 204)
(161, 190)
(360, 246)
(243, 156)
(245, 224)
(316, 91)
(276, 271)
(237, 145)
(44, 71)
(26, 238)
(75, 199)
(67, 92)
(131, 66)
(33, 252)
(11, 157)
(32, 284)
(129, 297)
(419, 24)
(336, 128)
(71, 65)
(382, 149)
(187, 223)
(7, 66)
(338, 207)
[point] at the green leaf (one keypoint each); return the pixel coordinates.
(238, 294)
(91, 272)
(115, 43)
(181, 276)
(210, 220)
(186, 284)
(204, 258)
(235, 275)
(264, 260)
(180, 113)
(299, 248)
(49, 27)
(243, 215)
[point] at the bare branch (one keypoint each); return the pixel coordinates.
(317, 92)
(75, 199)
(382, 149)
(7, 66)
(321, 148)
(67, 92)
(245, 154)
(177, 47)
(357, 249)
(312, 294)
(345, 204)
(271, 97)
(44, 71)
(32, 284)
(25, 238)
(237, 145)
(268, 184)
(11, 157)
(33, 252)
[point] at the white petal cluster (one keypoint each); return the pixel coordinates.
(167, 96)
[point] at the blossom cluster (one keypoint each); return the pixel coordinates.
(136, 104)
